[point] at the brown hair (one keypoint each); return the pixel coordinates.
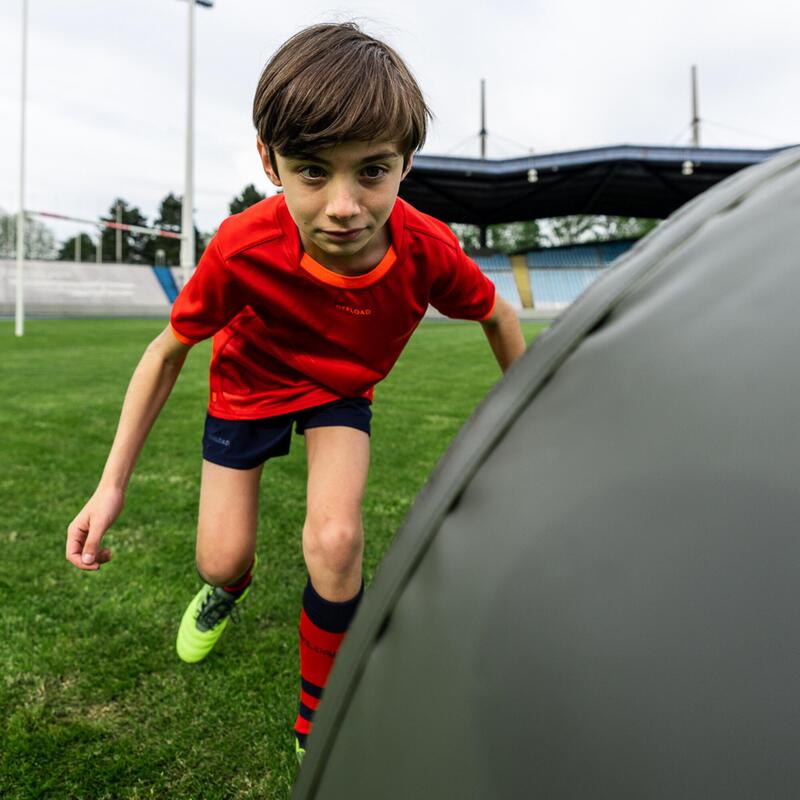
(331, 83)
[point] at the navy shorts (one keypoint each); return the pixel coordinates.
(246, 443)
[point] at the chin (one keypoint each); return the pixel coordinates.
(340, 248)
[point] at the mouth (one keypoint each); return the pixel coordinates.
(344, 236)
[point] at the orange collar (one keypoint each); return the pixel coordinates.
(349, 281)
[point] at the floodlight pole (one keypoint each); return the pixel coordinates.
(187, 208)
(119, 233)
(483, 132)
(187, 217)
(19, 314)
(695, 115)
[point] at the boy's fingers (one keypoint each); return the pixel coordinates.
(74, 558)
(83, 545)
(92, 552)
(76, 535)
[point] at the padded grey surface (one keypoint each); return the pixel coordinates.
(596, 593)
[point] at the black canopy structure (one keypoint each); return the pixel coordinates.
(623, 180)
(596, 593)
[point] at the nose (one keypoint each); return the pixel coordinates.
(342, 200)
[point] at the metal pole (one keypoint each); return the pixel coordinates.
(78, 247)
(695, 115)
(187, 215)
(19, 316)
(119, 232)
(99, 253)
(483, 118)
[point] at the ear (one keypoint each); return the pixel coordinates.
(407, 167)
(269, 169)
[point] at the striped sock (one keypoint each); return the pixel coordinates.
(323, 625)
(239, 585)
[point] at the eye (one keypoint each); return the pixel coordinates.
(311, 172)
(375, 171)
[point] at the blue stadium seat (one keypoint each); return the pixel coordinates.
(557, 288)
(559, 274)
(560, 257)
(498, 269)
(612, 250)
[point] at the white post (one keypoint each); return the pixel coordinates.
(187, 212)
(19, 327)
(119, 232)
(695, 115)
(483, 118)
(99, 253)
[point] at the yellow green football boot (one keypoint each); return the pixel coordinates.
(300, 752)
(204, 620)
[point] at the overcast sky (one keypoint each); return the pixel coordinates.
(107, 78)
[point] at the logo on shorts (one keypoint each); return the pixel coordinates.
(356, 312)
(218, 440)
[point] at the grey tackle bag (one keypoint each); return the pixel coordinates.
(596, 594)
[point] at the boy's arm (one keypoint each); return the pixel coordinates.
(148, 390)
(504, 333)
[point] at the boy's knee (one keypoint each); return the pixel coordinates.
(337, 544)
(222, 570)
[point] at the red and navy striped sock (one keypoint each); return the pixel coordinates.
(323, 625)
(241, 583)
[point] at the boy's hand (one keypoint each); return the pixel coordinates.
(86, 531)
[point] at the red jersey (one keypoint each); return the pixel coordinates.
(290, 333)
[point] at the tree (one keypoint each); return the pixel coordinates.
(514, 237)
(469, 236)
(586, 228)
(40, 242)
(249, 196)
(8, 235)
(170, 217)
(132, 243)
(519, 237)
(631, 227)
(88, 248)
(510, 238)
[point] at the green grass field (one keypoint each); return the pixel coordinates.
(94, 703)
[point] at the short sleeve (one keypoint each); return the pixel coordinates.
(209, 301)
(461, 290)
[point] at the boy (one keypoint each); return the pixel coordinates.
(310, 296)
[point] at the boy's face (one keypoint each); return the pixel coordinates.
(340, 198)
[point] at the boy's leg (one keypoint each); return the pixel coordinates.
(333, 546)
(225, 555)
(333, 535)
(227, 522)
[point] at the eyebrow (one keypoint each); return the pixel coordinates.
(313, 157)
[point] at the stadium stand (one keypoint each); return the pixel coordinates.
(559, 274)
(498, 269)
(557, 288)
(70, 289)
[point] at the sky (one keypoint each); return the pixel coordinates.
(107, 85)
